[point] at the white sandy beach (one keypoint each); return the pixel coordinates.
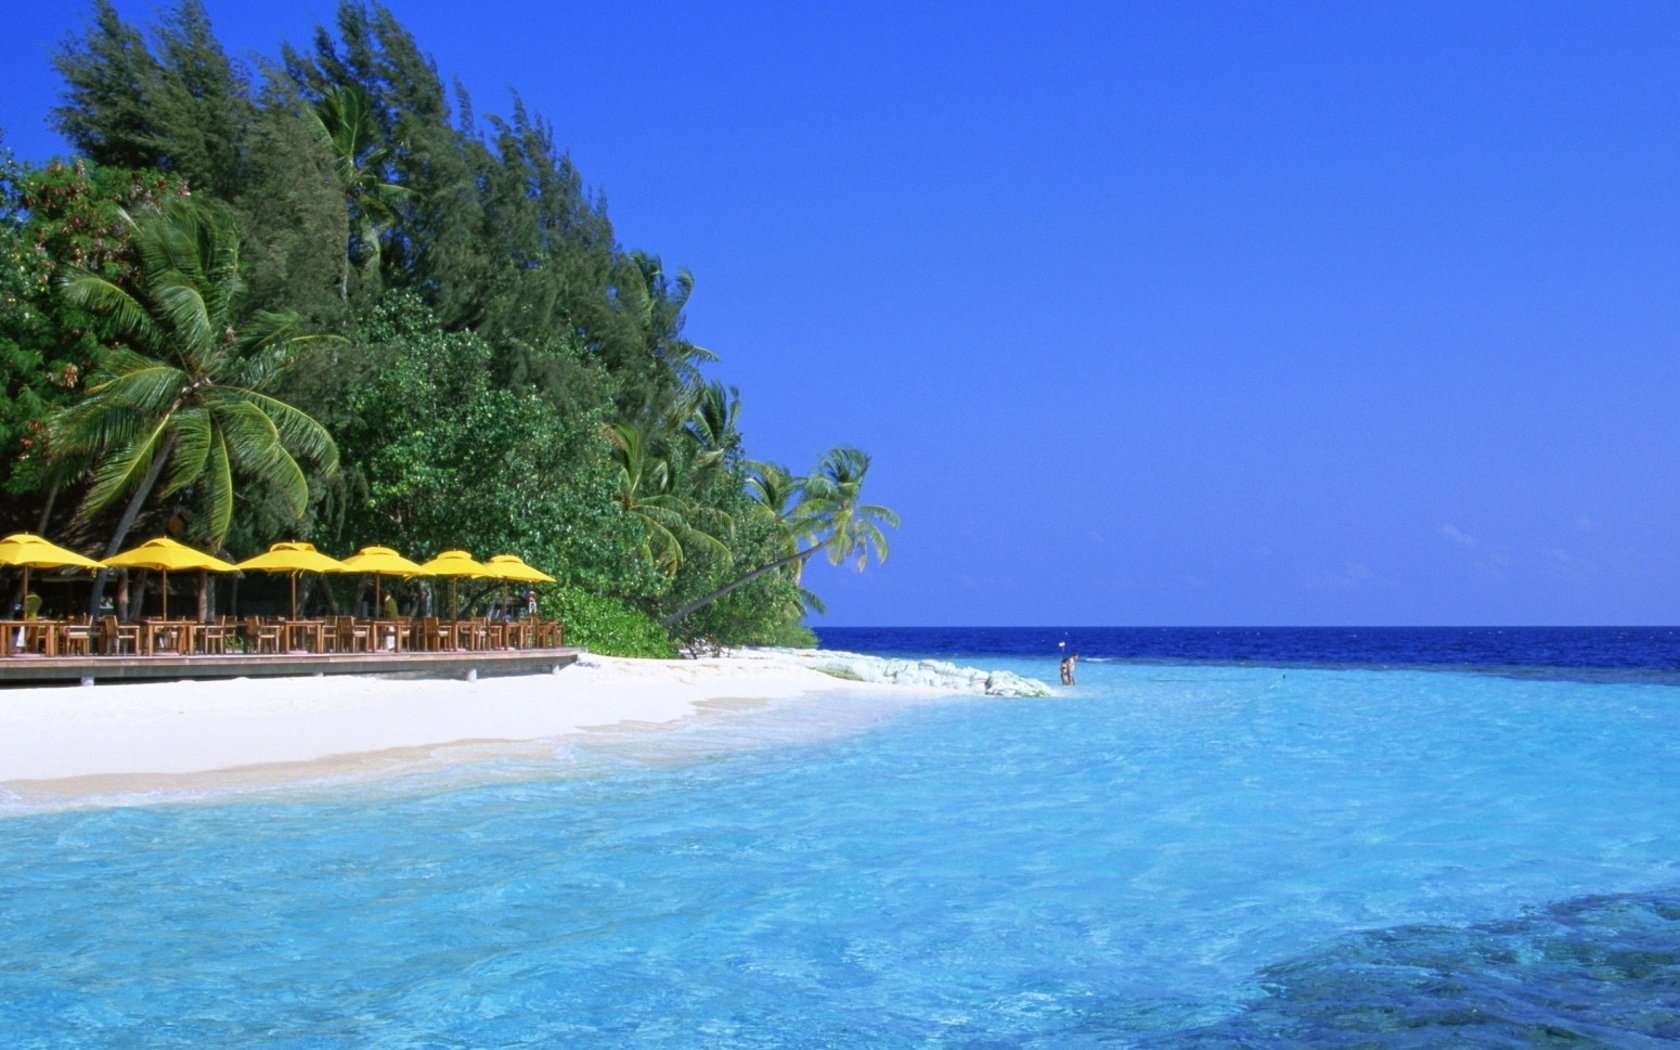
(118, 739)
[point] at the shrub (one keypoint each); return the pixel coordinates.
(606, 625)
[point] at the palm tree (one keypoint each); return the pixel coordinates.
(829, 506)
(183, 406)
(672, 524)
(714, 422)
(654, 304)
(343, 122)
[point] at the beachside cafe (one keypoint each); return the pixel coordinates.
(35, 646)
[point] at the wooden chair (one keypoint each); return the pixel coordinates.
(352, 635)
(475, 633)
(76, 637)
(436, 634)
(261, 636)
(211, 638)
(547, 634)
(114, 636)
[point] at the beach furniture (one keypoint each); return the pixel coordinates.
(352, 635)
(380, 561)
(261, 636)
(511, 567)
(455, 564)
(210, 638)
(164, 554)
(166, 636)
(307, 636)
(293, 558)
(116, 638)
(76, 637)
(436, 634)
(29, 551)
(29, 637)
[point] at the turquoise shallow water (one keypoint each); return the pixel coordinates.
(1166, 855)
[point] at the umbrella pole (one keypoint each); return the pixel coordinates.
(165, 593)
(293, 577)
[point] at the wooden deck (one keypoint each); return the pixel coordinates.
(46, 670)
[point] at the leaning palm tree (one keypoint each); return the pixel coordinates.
(344, 125)
(183, 406)
(829, 506)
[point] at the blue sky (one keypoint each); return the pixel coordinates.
(1149, 314)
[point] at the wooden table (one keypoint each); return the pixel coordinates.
(42, 634)
(398, 632)
(305, 635)
(521, 634)
(178, 634)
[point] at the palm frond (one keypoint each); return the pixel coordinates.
(298, 431)
(251, 436)
(152, 388)
(196, 332)
(122, 472)
(192, 448)
(98, 295)
(218, 490)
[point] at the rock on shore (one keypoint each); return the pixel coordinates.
(932, 674)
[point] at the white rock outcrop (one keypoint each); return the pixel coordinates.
(932, 674)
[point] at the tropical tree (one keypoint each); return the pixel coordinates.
(344, 124)
(183, 405)
(829, 506)
(714, 422)
(673, 524)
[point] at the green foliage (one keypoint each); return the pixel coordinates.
(293, 213)
(183, 403)
(437, 457)
(50, 218)
(184, 109)
(507, 377)
(606, 625)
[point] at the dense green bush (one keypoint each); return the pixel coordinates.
(790, 636)
(606, 625)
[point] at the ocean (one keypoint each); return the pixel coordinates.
(1216, 838)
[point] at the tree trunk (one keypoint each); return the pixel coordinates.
(46, 511)
(129, 514)
(705, 600)
(138, 579)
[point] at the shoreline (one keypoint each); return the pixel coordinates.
(126, 744)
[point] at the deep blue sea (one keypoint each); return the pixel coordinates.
(1217, 838)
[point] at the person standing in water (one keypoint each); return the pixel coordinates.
(1068, 663)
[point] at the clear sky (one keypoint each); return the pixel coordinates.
(1148, 313)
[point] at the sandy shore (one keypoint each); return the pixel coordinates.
(118, 739)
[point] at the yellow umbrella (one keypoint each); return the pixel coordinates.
(164, 554)
(513, 567)
(292, 558)
(32, 552)
(381, 561)
(455, 564)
